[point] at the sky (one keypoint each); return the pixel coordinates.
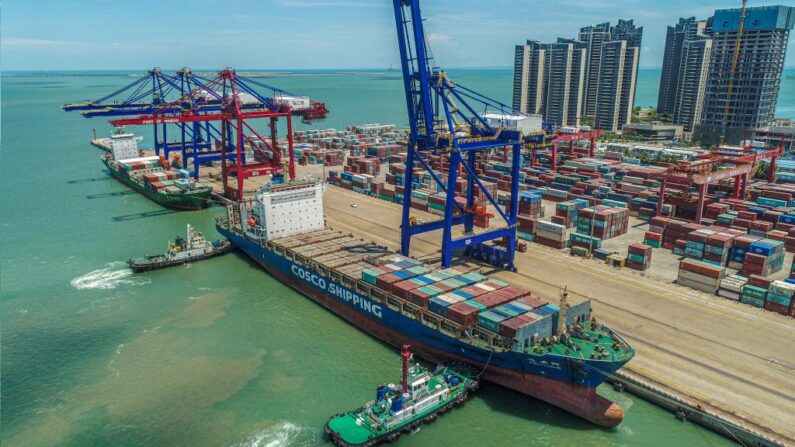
(305, 34)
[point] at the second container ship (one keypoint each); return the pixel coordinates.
(153, 176)
(518, 340)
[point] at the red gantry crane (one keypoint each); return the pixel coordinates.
(237, 133)
(722, 163)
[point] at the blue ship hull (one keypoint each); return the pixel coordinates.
(562, 381)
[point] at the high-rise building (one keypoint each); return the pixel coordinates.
(549, 80)
(757, 71)
(675, 39)
(684, 72)
(617, 77)
(593, 37)
(528, 77)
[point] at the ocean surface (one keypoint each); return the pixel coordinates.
(214, 353)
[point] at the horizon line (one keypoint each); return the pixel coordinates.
(470, 67)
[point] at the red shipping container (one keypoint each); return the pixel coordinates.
(753, 258)
(419, 298)
(403, 288)
(774, 307)
(701, 269)
(492, 299)
(759, 281)
(533, 301)
(514, 292)
(638, 248)
(463, 314)
(509, 327)
(386, 280)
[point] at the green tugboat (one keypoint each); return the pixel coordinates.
(422, 396)
(193, 248)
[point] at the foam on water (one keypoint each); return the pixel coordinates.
(108, 277)
(282, 434)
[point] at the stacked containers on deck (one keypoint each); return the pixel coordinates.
(638, 256)
(472, 299)
(700, 275)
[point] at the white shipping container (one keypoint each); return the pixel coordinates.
(733, 283)
(695, 277)
(550, 227)
(697, 285)
(550, 235)
(729, 294)
(484, 287)
(782, 288)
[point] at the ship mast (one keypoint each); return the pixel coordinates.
(564, 307)
(405, 354)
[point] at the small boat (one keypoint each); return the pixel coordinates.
(422, 396)
(192, 248)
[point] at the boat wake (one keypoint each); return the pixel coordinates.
(108, 278)
(282, 434)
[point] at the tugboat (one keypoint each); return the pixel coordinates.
(422, 396)
(193, 248)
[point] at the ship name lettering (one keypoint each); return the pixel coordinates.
(343, 294)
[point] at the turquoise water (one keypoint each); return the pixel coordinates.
(215, 353)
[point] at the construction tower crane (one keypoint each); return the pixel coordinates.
(448, 118)
(730, 84)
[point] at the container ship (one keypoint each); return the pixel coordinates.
(518, 340)
(153, 176)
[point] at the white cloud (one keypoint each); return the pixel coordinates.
(438, 38)
(28, 43)
(326, 3)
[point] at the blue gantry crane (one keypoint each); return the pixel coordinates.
(448, 118)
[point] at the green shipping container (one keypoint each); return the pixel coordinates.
(754, 292)
(654, 244)
(475, 304)
(636, 258)
(369, 276)
(490, 321)
(418, 270)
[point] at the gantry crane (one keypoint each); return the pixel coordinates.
(230, 109)
(448, 118)
(186, 92)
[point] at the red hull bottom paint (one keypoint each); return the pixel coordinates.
(576, 399)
